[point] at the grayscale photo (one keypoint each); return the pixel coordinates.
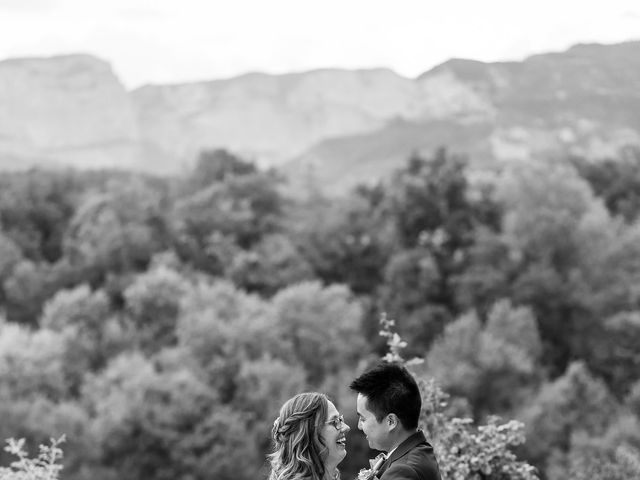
(319, 240)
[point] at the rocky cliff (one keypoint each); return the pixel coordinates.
(65, 110)
(339, 125)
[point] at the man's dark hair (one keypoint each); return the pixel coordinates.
(390, 388)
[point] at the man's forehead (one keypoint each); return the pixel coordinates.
(361, 403)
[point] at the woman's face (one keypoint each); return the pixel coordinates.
(334, 438)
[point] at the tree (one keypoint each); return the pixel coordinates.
(234, 209)
(153, 304)
(34, 393)
(25, 291)
(35, 209)
(487, 277)
(429, 197)
(413, 289)
(263, 385)
(117, 230)
(322, 326)
(220, 327)
(615, 180)
(31, 362)
(501, 357)
(92, 333)
(436, 214)
(346, 240)
(272, 264)
(616, 351)
(576, 402)
(165, 424)
(10, 255)
(214, 166)
(553, 226)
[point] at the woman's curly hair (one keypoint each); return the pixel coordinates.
(299, 452)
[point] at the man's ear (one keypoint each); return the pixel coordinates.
(392, 421)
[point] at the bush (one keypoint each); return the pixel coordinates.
(464, 451)
(43, 467)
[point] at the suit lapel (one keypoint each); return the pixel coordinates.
(409, 444)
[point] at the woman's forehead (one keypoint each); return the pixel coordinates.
(332, 411)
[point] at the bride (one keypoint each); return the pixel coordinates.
(309, 439)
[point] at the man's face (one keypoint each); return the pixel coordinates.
(377, 433)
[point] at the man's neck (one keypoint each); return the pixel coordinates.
(401, 437)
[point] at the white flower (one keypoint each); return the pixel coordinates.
(370, 473)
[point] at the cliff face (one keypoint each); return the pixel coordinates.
(67, 110)
(73, 110)
(273, 118)
(585, 101)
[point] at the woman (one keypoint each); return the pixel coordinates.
(309, 437)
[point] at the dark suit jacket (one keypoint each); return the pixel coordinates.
(412, 460)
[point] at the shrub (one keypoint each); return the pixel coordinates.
(464, 451)
(43, 467)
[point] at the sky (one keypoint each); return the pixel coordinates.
(178, 41)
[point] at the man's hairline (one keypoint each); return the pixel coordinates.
(366, 404)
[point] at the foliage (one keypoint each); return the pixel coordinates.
(230, 205)
(615, 180)
(429, 202)
(117, 229)
(215, 166)
(10, 255)
(616, 351)
(25, 291)
(464, 451)
(319, 322)
(574, 403)
(91, 333)
(35, 210)
(272, 264)
(501, 357)
(31, 362)
(589, 461)
(160, 322)
(153, 303)
(436, 214)
(43, 467)
(554, 228)
(347, 242)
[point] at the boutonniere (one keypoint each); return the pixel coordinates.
(375, 464)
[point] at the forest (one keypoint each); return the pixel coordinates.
(158, 323)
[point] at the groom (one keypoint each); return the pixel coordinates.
(388, 407)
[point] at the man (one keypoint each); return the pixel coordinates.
(388, 407)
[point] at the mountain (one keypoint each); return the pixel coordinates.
(585, 101)
(275, 118)
(65, 110)
(334, 127)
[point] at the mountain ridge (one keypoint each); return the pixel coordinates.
(73, 109)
